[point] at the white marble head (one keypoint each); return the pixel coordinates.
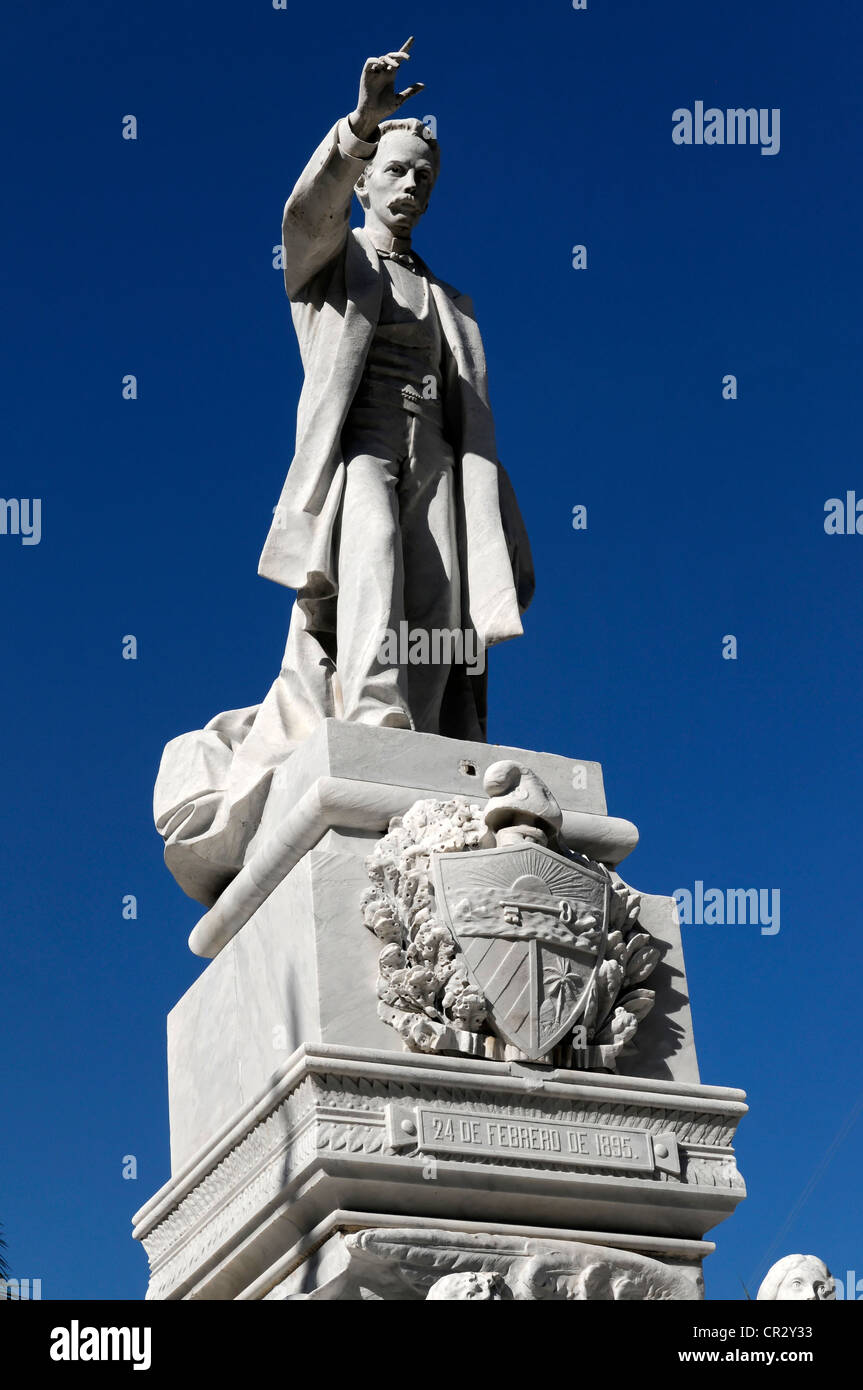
(801, 1277)
(395, 187)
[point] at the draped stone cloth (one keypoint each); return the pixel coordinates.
(213, 783)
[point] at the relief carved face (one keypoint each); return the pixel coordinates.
(467, 1287)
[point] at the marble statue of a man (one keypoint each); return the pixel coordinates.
(395, 510)
(397, 525)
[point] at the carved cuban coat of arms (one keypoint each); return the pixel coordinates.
(497, 940)
(532, 928)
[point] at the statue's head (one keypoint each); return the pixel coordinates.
(800, 1277)
(395, 187)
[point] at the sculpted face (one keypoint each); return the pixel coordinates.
(467, 1287)
(798, 1278)
(805, 1284)
(397, 184)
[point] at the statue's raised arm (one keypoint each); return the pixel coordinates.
(315, 221)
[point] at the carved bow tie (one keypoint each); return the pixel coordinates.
(405, 258)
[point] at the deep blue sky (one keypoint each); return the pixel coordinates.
(705, 517)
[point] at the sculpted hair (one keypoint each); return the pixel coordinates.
(413, 127)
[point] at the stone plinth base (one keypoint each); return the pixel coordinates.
(354, 1111)
(293, 962)
(350, 1140)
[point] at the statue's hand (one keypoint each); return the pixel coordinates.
(378, 97)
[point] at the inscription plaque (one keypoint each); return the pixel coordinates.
(499, 1136)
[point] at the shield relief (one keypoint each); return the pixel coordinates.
(532, 926)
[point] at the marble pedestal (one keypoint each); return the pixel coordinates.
(314, 1157)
